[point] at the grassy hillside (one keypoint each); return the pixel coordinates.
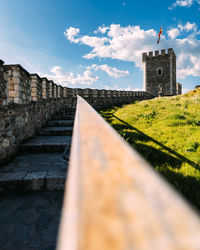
(166, 131)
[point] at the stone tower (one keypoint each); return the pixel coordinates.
(160, 73)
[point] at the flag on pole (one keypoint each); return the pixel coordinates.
(159, 35)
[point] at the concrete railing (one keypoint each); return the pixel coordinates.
(115, 200)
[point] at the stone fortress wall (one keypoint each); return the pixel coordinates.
(160, 73)
(28, 101)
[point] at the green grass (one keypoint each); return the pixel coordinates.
(165, 131)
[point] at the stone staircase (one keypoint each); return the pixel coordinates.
(40, 164)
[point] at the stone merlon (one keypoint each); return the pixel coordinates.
(156, 53)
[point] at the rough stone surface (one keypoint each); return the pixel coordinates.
(160, 73)
(30, 221)
(3, 86)
(20, 122)
(39, 171)
(19, 84)
(36, 87)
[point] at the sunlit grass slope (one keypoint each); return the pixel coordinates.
(166, 131)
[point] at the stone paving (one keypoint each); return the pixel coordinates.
(36, 163)
(34, 171)
(30, 220)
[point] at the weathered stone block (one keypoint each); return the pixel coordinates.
(60, 91)
(14, 93)
(51, 89)
(45, 88)
(5, 143)
(3, 85)
(16, 73)
(55, 89)
(17, 87)
(64, 92)
(36, 87)
(18, 80)
(17, 100)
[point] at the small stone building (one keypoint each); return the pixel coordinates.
(178, 88)
(160, 73)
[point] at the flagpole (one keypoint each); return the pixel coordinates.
(160, 38)
(161, 43)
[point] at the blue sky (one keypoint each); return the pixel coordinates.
(98, 43)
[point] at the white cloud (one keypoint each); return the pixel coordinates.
(187, 50)
(192, 66)
(71, 33)
(102, 29)
(182, 3)
(88, 77)
(116, 87)
(173, 33)
(112, 72)
(128, 43)
(188, 26)
(65, 78)
(133, 89)
(122, 43)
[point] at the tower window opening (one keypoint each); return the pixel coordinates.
(159, 71)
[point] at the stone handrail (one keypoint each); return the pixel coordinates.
(115, 200)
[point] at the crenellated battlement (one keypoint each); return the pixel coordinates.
(156, 54)
(28, 101)
(18, 86)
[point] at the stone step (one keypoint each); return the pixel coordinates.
(63, 117)
(65, 113)
(44, 144)
(36, 163)
(53, 131)
(32, 181)
(61, 123)
(69, 110)
(31, 172)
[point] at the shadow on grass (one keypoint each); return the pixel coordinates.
(155, 156)
(178, 159)
(188, 186)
